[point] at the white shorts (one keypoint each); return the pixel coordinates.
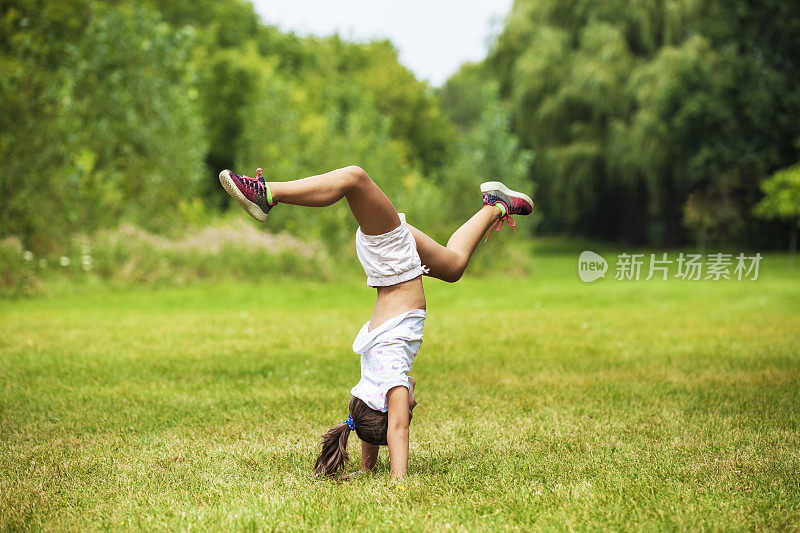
(390, 258)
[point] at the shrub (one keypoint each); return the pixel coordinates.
(17, 268)
(234, 250)
(228, 250)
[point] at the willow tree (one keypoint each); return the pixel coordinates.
(631, 106)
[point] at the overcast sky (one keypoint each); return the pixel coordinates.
(434, 37)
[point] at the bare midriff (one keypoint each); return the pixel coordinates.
(397, 299)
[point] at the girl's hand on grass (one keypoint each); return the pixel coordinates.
(397, 433)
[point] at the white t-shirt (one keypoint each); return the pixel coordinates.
(386, 356)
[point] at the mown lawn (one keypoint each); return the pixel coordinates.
(545, 403)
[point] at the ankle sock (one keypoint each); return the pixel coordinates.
(269, 194)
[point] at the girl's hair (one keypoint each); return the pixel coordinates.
(371, 427)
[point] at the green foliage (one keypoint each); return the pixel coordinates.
(233, 251)
(18, 272)
(488, 151)
(126, 111)
(134, 83)
(463, 95)
(227, 250)
(101, 131)
(291, 134)
(414, 115)
(712, 215)
(117, 109)
(782, 201)
(33, 122)
(641, 104)
(781, 195)
(227, 83)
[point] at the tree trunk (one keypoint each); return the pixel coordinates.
(673, 209)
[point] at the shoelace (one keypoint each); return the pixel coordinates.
(247, 181)
(499, 224)
(253, 183)
(256, 179)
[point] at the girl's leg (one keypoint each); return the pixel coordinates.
(449, 262)
(371, 208)
(376, 215)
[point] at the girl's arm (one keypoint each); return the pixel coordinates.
(369, 456)
(397, 433)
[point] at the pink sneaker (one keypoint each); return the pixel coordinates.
(510, 203)
(253, 194)
(515, 202)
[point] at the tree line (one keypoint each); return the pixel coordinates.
(653, 121)
(628, 119)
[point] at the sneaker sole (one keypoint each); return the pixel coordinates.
(252, 209)
(498, 186)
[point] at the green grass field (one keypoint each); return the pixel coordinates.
(545, 403)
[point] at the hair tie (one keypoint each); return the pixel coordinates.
(349, 422)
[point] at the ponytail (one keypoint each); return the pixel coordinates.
(372, 428)
(334, 450)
